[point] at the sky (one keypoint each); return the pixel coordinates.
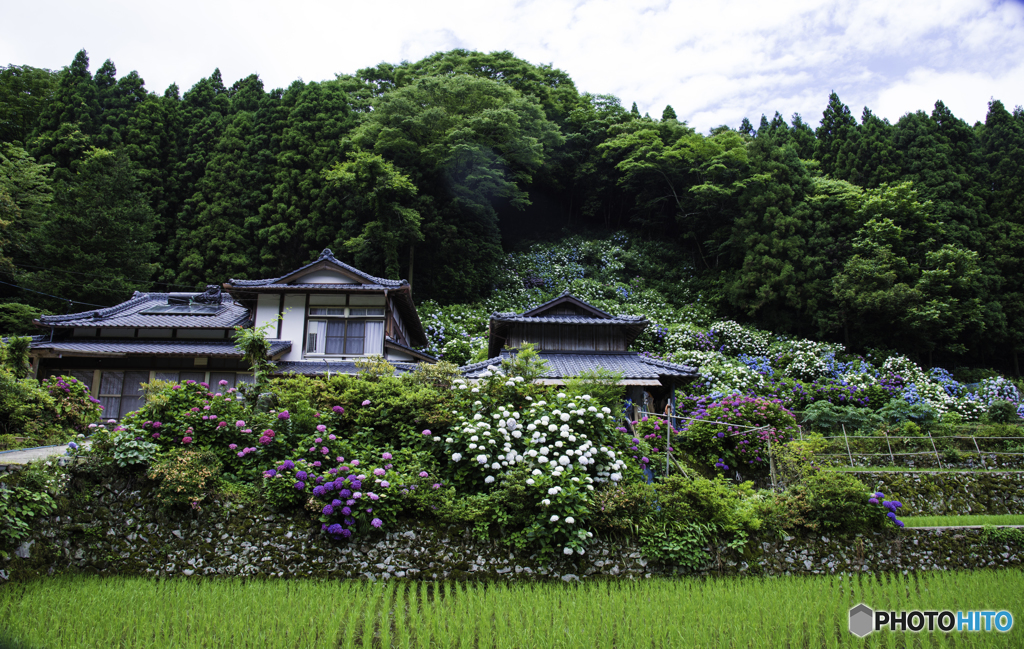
(714, 62)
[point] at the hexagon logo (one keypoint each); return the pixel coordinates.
(861, 620)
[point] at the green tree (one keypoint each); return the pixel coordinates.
(377, 199)
(25, 93)
(468, 144)
(96, 245)
(837, 127)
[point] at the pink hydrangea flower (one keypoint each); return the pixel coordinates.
(232, 446)
(423, 474)
(427, 432)
(379, 472)
(386, 456)
(366, 403)
(239, 424)
(186, 440)
(321, 428)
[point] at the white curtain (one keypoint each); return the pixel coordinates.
(374, 337)
(316, 336)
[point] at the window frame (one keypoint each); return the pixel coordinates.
(362, 315)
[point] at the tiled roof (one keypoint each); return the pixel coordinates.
(566, 296)
(395, 343)
(565, 364)
(309, 368)
(127, 314)
(314, 287)
(138, 347)
(328, 256)
(568, 319)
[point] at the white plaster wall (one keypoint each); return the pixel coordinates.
(291, 329)
(324, 277)
(266, 310)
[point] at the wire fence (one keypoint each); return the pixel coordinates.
(947, 450)
(953, 447)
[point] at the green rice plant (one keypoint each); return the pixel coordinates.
(685, 612)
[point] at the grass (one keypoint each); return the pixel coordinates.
(84, 612)
(943, 521)
(903, 469)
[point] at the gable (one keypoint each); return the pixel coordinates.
(567, 305)
(325, 276)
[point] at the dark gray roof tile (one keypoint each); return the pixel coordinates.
(128, 314)
(563, 365)
(138, 347)
(310, 368)
(326, 255)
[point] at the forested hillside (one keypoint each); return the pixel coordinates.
(857, 231)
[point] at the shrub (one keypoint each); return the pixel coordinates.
(75, 407)
(1000, 412)
(186, 477)
(740, 442)
(28, 494)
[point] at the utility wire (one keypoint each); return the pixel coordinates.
(191, 287)
(64, 299)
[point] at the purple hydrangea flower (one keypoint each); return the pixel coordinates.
(335, 529)
(376, 522)
(328, 510)
(319, 490)
(271, 473)
(338, 409)
(300, 485)
(379, 472)
(283, 415)
(366, 403)
(301, 475)
(336, 503)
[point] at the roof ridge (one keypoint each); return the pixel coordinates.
(97, 313)
(325, 255)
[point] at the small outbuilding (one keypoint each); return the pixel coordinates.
(574, 337)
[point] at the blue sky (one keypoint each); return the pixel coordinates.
(715, 62)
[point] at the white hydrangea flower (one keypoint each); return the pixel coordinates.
(456, 457)
(474, 438)
(516, 434)
(564, 416)
(615, 477)
(482, 459)
(570, 520)
(572, 438)
(495, 466)
(568, 551)
(529, 481)
(531, 427)
(450, 440)
(477, 417)
(543, 459)
(564, 460)
(476, 389)
(472, 447)
(536, 472)
(553, 428)
(489, 479)
(599, 416)
(554, 518)
(545, 502)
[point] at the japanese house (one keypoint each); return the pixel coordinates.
(573, 337)
(321, 317)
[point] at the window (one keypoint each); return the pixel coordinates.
(345, 332)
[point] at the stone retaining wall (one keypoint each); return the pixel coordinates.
(113, 531)
(931, 493)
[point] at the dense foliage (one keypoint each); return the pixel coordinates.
(861, 232)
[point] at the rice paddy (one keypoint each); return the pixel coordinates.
(82, 612)
(967, 519)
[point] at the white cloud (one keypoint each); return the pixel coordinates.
(715, 62)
